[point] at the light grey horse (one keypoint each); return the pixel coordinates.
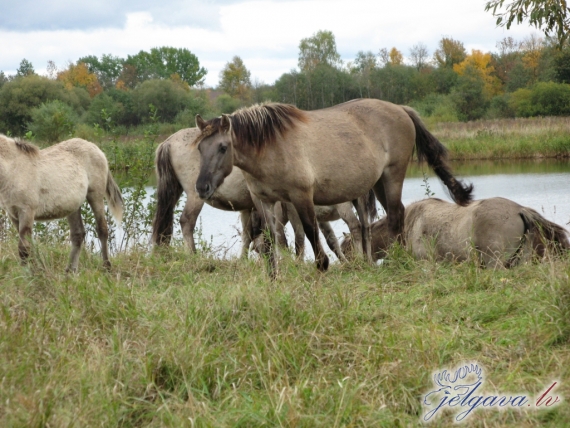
(498, 231)
(41, 185)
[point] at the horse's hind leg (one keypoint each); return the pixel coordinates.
(25, 224)
(347, 215)
(247, 232)
(77, 235)
(332, 242)
(388, 190)
(98, 207)
(269, 248)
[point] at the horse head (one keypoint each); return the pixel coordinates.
(216, 154)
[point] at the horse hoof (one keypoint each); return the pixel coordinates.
(323, 264)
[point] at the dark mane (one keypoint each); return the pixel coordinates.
(26, 147)
(259, 125)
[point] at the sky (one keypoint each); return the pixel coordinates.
(264, 33)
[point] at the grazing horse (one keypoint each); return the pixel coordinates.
(502, 232)
(321, 157)
(41, 185)
(177, 168)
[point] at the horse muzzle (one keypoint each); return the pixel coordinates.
(205, 190)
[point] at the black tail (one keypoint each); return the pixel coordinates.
(544, 234)
(169, 191)
(430, 149)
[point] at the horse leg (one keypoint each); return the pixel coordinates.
(98, 207)
(297, 229)
(25, 223)
(306, 211)
(269, 248)
(188, 220)
(76, 235)
(365, 227)
(347, 215)
(388, 190)
(332, 242)
(247, 233)
(281, 213)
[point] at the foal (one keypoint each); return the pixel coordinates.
(42, 185)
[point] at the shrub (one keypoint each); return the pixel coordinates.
(226, 104)
(19, 96)
(520, 102)
(438, 108)
(500, 107)
(551, 99)
(52, 121)
(168, 97)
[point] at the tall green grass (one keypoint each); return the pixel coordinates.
(169, 339)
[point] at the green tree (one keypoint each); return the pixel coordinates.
(163, 62)
(419, 56)
(235, 80)
(19, 96)
(318, 49)
(25, 69)
(550, 16)
(107, 69)
(469, 95)
(3, 78)
(449, 53)
(364, 64)
(168, 97)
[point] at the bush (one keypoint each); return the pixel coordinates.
(501, 108)
(168, 97)
(438, 108)
(19, 96)
(226, 104)
(551, 99)
(520, 102)
(52, 121)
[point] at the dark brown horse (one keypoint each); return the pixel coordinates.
(321, 157)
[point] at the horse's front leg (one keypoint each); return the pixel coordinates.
(265, 210)
(77, 236)
(188, 219)
(306, 211)
(25, 224)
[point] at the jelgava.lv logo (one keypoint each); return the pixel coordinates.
(462, 391)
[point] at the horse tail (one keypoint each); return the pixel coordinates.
(544, 233)
(169, 191)
(114, 198)
(431, 150)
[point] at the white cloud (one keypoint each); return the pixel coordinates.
(266, 34)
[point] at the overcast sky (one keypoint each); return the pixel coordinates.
(264, 33)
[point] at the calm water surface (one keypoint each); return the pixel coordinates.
(541, 185)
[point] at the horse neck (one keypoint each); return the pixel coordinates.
(245, 158)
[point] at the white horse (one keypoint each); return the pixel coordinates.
(42, 185)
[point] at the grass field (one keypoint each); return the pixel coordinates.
(168, 339)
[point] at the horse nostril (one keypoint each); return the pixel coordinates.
(207, 188)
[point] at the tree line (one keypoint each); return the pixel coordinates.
(521, 78)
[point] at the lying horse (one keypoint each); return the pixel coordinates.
(321, 157)
(41, 185)
(177, 168)
(501, 232)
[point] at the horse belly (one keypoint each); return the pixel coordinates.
(55, 203)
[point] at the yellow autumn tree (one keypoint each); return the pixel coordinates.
(79, 75)
(482, 63)
(532, 47)
(396, 57)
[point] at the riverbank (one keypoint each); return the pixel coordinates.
(169, 339)
(520, 138)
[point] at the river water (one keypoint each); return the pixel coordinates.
(543, 185)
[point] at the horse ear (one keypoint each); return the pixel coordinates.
(226, 124)
(200, 123)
